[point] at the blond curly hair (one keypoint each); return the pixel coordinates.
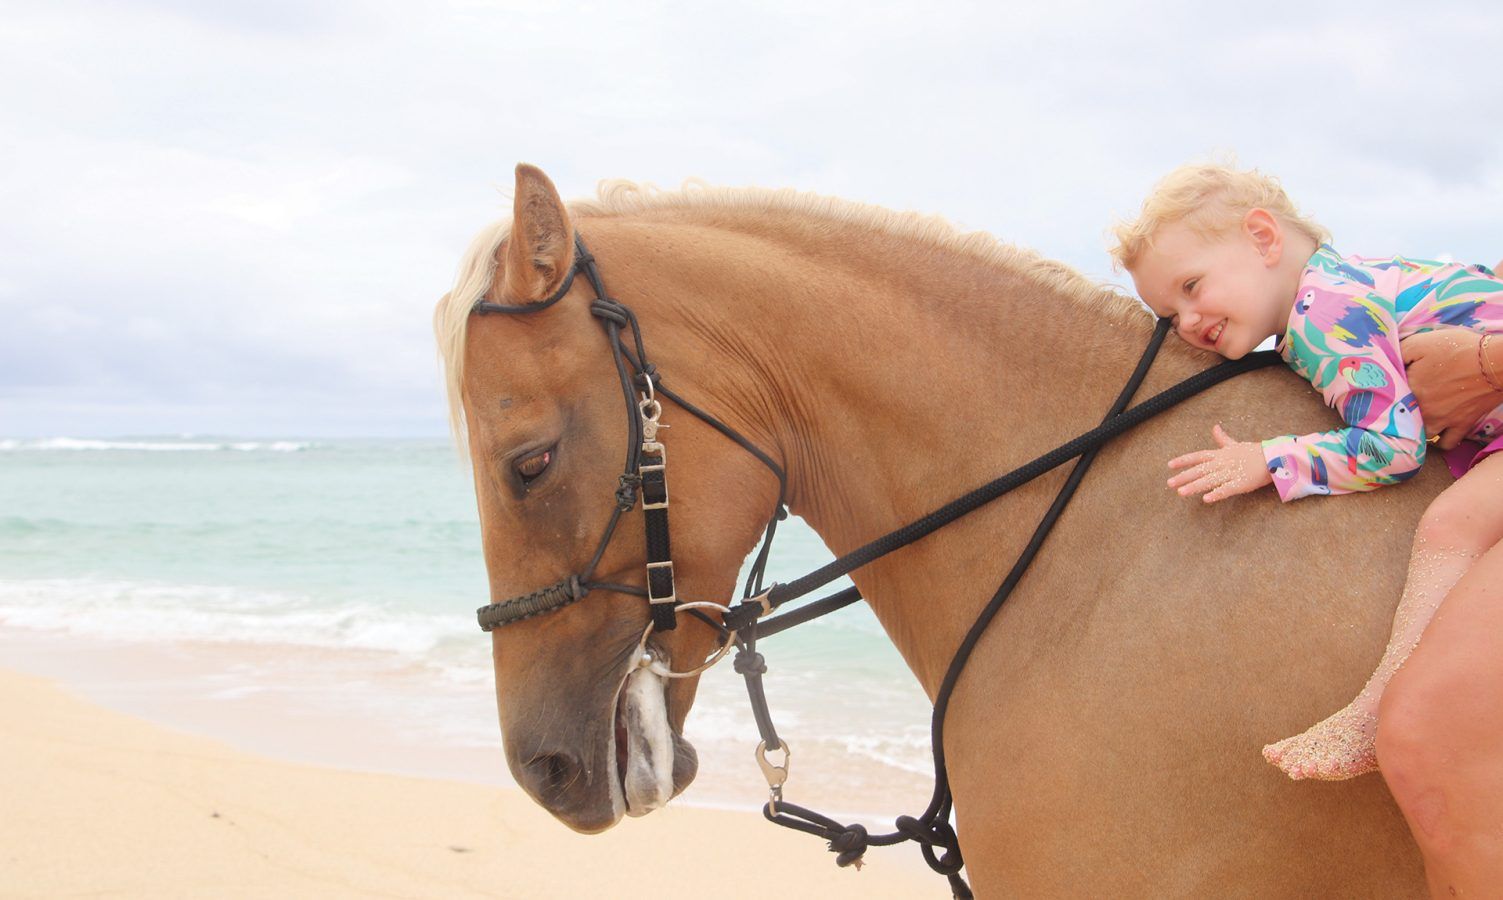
(1211, 199)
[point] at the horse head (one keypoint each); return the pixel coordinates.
(587, 731)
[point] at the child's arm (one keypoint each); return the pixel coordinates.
(1347, 345)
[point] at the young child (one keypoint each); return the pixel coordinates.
(1225, 254)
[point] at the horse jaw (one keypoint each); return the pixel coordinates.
(646, 761)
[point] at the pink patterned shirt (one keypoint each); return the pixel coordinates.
(1343, 336)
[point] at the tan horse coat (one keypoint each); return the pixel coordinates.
(1104, 739)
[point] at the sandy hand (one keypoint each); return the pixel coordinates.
(1235, 468)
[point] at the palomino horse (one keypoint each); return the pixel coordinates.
(1104, 739)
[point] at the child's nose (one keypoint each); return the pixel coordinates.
(1188, 323)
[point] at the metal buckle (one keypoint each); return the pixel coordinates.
(671, 598)
(655, 449)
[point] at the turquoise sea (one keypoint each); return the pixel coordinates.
(315, 598)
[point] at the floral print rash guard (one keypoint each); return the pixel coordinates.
(1344, 332)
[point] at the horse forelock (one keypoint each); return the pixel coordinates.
(618, 198)
(477, 269)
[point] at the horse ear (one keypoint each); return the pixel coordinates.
(541, 246)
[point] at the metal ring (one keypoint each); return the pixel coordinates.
(663, 671)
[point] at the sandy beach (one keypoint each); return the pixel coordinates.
(251, 668)
(100, 803)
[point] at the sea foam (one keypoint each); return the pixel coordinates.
(135, 611)
(152, 446)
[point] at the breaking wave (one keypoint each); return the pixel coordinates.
(153, 445)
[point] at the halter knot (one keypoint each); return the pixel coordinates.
(849, 846)
(626, 494)
(749, 661)
(609, 309)
(929, 836)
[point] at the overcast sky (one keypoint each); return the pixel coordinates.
(234, 218)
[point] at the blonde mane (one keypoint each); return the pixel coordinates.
(619, 197)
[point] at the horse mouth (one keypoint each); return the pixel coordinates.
(640, 762)
(646, 751)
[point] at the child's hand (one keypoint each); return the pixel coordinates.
(1236, 468)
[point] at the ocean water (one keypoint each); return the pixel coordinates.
(301, 583)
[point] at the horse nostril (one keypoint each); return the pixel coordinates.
(556, 769)
(564, 783)
(551, 774)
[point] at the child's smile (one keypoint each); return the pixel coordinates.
(1214, 333)
(1225, 293)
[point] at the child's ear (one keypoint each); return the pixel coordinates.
(1263, 228)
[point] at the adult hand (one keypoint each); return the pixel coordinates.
(1447, 381)
(1236, 468)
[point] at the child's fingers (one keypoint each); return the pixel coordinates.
(1221, 493)
(1222, 438)
(1191, 459)
(1230, 489)
(1194, 473)
(1206, 482)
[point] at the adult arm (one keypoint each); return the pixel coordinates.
(1445, 373)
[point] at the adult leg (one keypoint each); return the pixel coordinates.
(1464, 521)
(1440, 725)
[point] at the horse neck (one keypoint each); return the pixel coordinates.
(889, 376)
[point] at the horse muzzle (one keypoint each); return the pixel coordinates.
(632, 767)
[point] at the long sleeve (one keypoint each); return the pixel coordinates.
(1344, 338)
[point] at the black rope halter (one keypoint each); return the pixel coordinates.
(744, 624)
(645, 471)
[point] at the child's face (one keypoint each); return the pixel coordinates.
(1223, 292)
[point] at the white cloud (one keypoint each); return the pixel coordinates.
(241, 214)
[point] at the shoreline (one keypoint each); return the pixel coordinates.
(368, 711)
(102, 801)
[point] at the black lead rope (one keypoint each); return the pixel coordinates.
(932, 831)
(746, 613)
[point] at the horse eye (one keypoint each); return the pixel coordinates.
(533, 466)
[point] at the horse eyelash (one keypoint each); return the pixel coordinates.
(543, 459)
